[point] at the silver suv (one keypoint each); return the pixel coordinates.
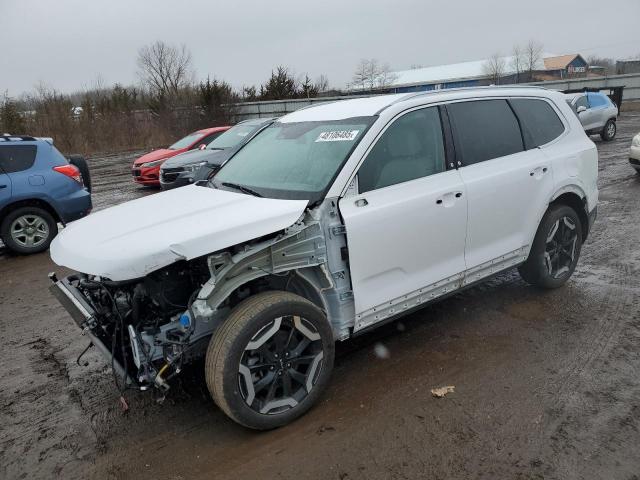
(596, 112)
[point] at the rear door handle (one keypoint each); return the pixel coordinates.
(538, 172)
(448, 199)
(361, 202)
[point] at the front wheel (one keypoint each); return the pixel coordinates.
(270, 360)
(609, 131)
(555, 250)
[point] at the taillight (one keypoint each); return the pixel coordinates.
(70, 171)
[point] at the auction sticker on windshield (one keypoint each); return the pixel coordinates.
(337, 136)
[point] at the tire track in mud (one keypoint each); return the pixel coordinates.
(112, 180)
(52, 395)
(589, 387)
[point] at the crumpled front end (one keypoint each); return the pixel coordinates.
(143, 328)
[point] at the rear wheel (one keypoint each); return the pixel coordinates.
(609, 131)
(555, 250)
(28, 230)
(270, 360)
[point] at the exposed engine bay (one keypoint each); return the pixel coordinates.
(145, 323)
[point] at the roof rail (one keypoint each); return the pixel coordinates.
(7, 137)
(457, 89)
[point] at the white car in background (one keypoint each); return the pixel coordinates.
(329, 222)
(634, 153)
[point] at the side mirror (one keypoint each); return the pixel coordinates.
(581, 109)
(202, 146)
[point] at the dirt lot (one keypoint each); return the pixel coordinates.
(547, 383)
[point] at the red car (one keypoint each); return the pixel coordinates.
(146, 169)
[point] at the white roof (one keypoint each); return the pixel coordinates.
(358, 107)
(454, 71)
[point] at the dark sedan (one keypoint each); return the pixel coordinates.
(202, 164)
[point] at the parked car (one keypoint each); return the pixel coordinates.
(634, 153)
(146, 169)
(596, 112)
(331, 221)
(39, 188)
(196, 165)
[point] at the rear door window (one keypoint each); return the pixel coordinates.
(597, 100)
(485, 129)
(539, 121)
(16, 158)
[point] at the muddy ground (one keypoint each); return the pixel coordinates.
(547, 384)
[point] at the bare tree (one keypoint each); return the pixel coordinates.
(608, 64)
(532, 55)
(385, 76)
(361, 74)
(164, 69)
(373, 71)
(494, 68)
(518, 61)
(371, 74)
(322, 83)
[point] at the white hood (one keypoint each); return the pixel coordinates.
(137, 237)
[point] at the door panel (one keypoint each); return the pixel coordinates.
(404, 237)
(5, 187)
(504, 197)
(587, 119)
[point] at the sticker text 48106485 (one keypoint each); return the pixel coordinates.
(337, 136)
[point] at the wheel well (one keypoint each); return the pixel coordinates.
(290, 282)
(32, 202)
(578, 204)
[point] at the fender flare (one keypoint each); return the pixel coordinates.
(570, 188)
(41, 201)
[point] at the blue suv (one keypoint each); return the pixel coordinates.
(39, 187)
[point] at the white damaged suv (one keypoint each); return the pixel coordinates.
(331, 221)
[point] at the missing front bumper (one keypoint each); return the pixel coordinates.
(83, 314)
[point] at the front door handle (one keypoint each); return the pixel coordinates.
(361, 202)
(3, 186)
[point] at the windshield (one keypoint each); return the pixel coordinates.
(232, 137)
(186, 141)
(294, 160)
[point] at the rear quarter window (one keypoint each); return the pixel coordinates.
(16, 158)
(539, 121)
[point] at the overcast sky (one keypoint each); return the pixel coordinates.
(67, 44)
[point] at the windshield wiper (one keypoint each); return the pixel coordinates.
(241, 188)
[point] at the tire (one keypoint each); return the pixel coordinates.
(39, 229)
(270, 321)
(81, 164)
(541, 267)
(609, 131)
